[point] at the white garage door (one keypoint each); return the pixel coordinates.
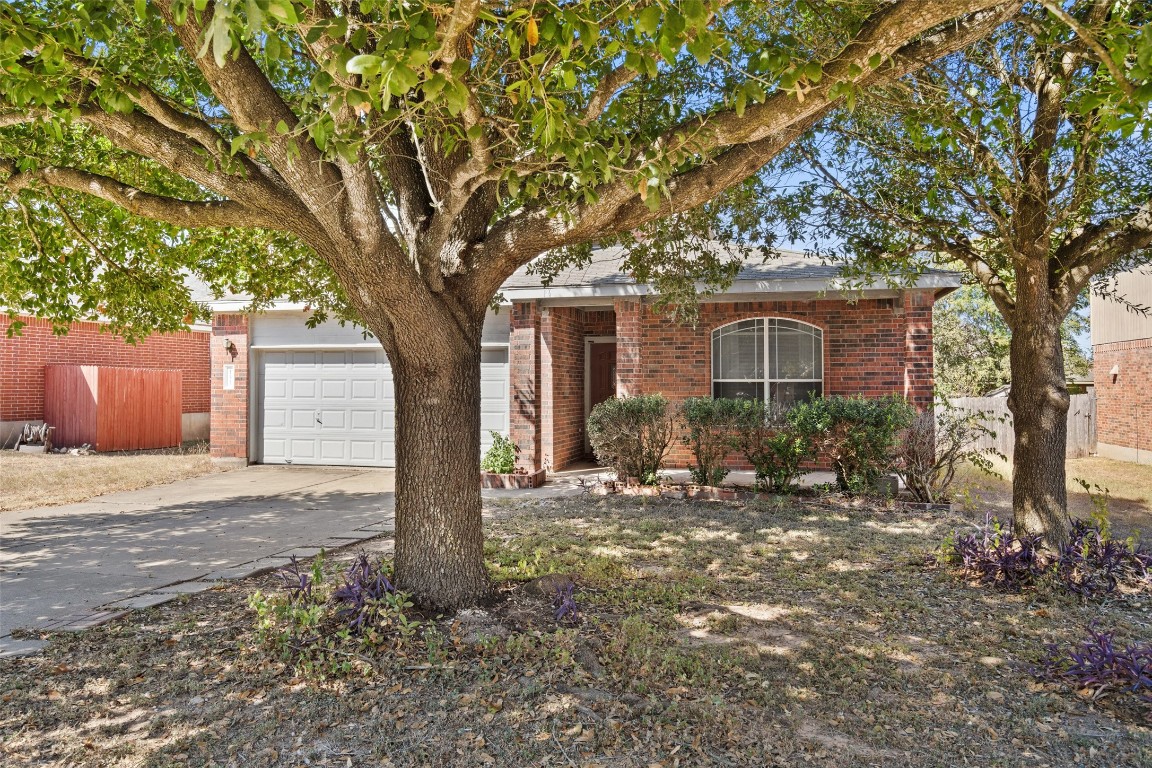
(339, 407)
(328, 407)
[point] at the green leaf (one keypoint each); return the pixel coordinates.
(365, 64)
(701, 48)
(694, 11)
(649, 20)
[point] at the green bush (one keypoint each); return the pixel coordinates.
(711, 431)
(772, 444)
(500, 458)
(858, 434)
(632, 434)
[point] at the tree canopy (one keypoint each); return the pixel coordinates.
(1023, 158)
(236, 139)
(971, 343)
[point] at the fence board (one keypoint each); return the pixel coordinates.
(1081, 423)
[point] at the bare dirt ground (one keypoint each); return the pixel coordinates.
(30, 480)
(1129, 488)
(710, 633)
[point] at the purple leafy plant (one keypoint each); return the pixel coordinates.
(1091, 564)
(1097, 665)
(365, 587)
(297, 582)
(995, 556)
(564, 604)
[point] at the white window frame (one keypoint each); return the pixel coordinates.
(766, 380)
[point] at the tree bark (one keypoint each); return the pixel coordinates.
(1039, 405)
(439, 556)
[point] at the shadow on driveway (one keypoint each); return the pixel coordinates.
(75, 566)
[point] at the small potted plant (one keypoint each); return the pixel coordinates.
(499, 470)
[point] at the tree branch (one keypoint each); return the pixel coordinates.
(1098, 48)
(747, 143)
(181, 213)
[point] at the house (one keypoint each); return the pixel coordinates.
(1122, 361)
(23, 359)
(283, 393)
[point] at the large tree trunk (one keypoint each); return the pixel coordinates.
(1039, 405)
(439, 542)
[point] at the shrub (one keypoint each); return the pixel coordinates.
(772, 444)
(500, 458)
(858, 434)
(1096, 665)
(995, 556)
(711, 426)
(934, 445)
(1092, 564)
(632, 434)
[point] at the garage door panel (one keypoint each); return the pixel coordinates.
(333, 420)
(364, 419)
(364, 389)
(299, 418)
(365, 450)
(303, 449)
(302, 389)
(334, 389)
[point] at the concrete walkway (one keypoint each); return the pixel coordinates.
(79, 565)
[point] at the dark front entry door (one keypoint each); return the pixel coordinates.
(601, 372)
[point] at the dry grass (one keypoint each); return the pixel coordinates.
(49, 479)
(712, 633)
(1129, 491)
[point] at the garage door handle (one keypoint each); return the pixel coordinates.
(318, 419)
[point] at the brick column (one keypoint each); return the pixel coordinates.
(230, 406)
(918, 383)
(629, 337)
(524, 382)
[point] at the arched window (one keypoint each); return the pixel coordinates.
(768, 358)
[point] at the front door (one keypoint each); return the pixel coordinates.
(601, 372)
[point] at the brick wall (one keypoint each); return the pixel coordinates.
(872, 347)
(524, 383)
(599, 322)
(23, 357)
(230, 406)
(1124, 407)
(562, 385)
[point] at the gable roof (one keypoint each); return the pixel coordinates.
(779, 271)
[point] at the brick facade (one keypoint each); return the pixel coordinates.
(524, 383)
(1124, 406)
(23, 357)
(230, 406)
(873, 347)
(562, 385)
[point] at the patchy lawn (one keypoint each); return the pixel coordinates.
(49, 479)
(1129, 489)
(711, 633)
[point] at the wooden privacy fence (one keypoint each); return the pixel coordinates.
(113, 409)
(1081, 423)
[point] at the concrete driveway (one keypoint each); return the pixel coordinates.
(79, 565)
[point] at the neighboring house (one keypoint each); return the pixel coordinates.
(1122, 362)
(24, 357)
(283, 393)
